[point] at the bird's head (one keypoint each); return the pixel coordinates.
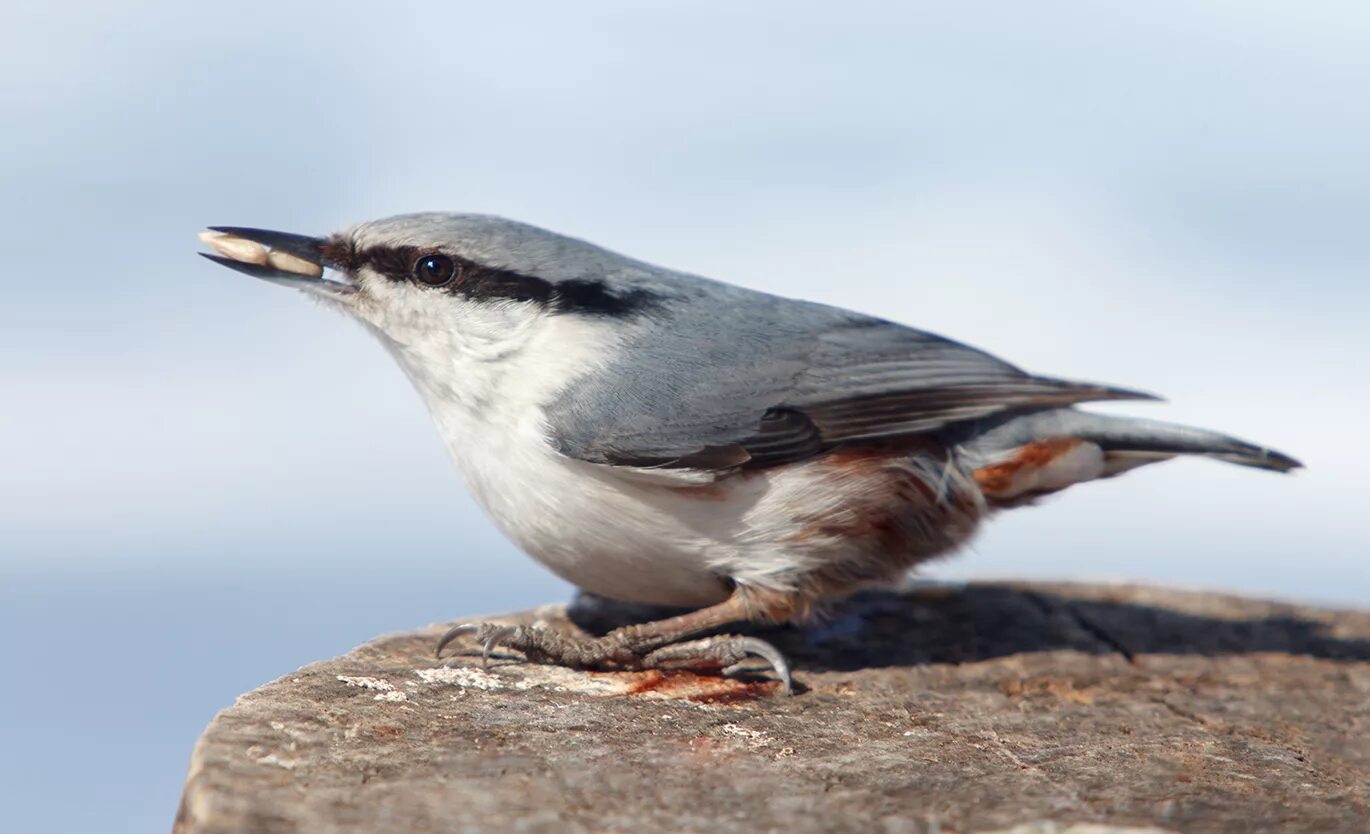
(417, 274)
(446, 292)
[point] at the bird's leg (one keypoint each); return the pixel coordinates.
(656, 644)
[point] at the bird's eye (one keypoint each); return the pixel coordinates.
(434, 270)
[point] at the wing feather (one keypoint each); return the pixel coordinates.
(760, 381)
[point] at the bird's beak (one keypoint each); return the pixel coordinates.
(279, 257)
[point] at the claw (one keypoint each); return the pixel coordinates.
(453, 633)
(490, 642)
(770, 654)
(489, 635)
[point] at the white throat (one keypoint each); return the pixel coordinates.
(487, 381)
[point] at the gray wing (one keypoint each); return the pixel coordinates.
(747, 380)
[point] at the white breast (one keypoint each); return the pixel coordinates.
(605, 534)
(629, 535)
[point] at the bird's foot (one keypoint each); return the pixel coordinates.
(618, 650)
(727, 653)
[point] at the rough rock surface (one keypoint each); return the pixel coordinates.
(977, 708)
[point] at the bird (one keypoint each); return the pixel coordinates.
(657, 437)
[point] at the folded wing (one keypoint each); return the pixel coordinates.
(762, 381)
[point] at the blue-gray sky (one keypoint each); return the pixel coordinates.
(207, 481)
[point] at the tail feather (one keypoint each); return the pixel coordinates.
(1123, 437)
(1116, 462)
(1017, 458)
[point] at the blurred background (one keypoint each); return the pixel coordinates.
(206, 482)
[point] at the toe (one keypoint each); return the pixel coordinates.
(453, 633)
(489, 635)
(727, 652)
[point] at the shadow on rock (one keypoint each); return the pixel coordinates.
(980, 622)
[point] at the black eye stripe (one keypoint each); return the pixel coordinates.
(468, 279)
(478, 282)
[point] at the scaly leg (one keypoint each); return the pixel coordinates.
(650, 645)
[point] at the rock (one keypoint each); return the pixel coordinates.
(989, 707)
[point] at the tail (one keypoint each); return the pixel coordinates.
(1019, 457)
